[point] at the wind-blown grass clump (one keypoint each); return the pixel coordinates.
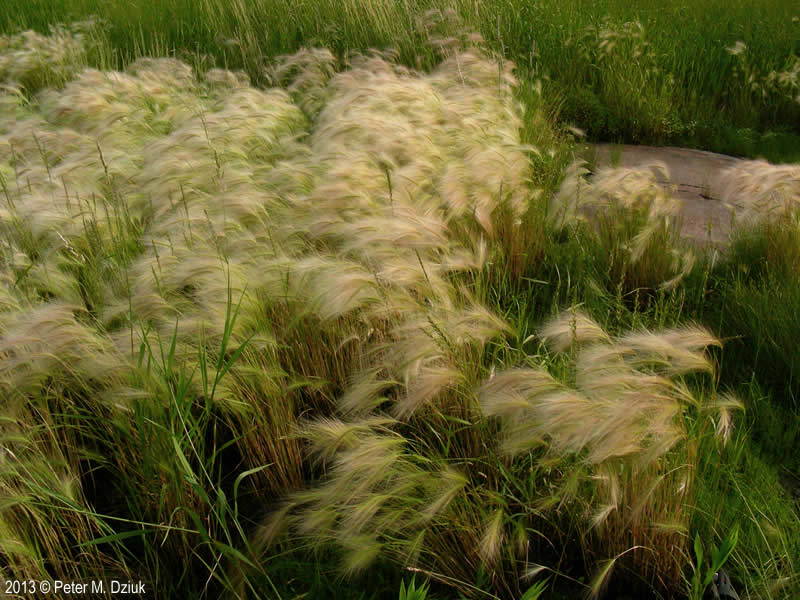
(634, 220)
(139, 205)
(627, 413)
(769, 192)
(617, 436)
(32, 60)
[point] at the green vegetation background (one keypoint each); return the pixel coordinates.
(687, 89)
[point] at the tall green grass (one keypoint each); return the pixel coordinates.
(369, 306)
(718, 75)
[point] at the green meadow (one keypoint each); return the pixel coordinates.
(318, 300)
(717, 75)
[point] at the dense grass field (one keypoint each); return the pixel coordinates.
(282, 317)
(718, 75)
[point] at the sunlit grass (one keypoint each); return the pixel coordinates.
(719, 75)
(341, 305)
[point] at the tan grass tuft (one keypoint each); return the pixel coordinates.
(760, 191)
(621, 410)
(493, 538)
(561, 333)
